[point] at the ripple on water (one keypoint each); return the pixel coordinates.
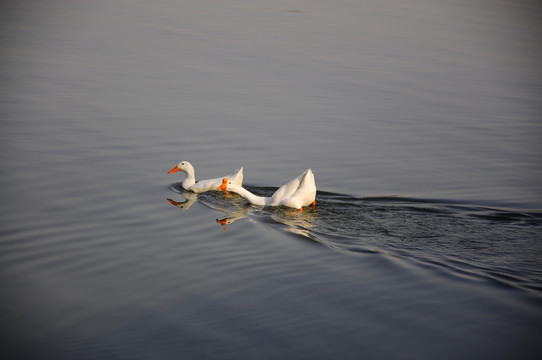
(466, 240)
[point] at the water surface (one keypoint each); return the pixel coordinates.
(420, 119)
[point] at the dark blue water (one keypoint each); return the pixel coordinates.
(420, 119)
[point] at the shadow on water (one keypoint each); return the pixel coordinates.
(453, 237)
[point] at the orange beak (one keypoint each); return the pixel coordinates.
(173, 202)
(175, 169)
(224, 184)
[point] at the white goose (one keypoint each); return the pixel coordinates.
(297, 193)
(201, 186)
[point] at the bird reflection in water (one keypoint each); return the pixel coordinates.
(235, 208)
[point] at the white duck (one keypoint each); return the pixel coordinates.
(297, 193)
(201, 186)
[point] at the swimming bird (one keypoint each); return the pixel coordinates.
(296, 193)
(190, 184)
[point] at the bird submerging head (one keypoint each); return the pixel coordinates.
(298, 192)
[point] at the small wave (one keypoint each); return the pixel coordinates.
(501, 245)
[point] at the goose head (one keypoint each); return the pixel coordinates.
(182, 166)
(224, 185)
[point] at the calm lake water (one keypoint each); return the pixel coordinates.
(421, 120)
